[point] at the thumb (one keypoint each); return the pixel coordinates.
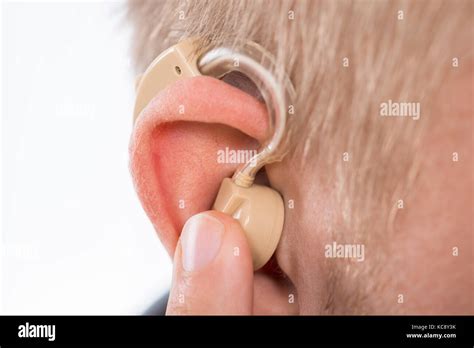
(213, 271)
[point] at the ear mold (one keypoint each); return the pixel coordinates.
(260, 211)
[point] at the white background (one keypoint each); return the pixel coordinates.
(75, 239)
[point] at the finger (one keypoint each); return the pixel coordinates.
(213, 271)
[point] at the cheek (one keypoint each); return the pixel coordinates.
(431, 258)
(308, 217)
(433, 245)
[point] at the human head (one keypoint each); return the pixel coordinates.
(354, 176)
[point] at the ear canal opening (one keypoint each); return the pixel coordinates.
(261, 178)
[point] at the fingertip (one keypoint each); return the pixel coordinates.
(213, 271)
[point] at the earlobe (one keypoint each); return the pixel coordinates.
(174, 146)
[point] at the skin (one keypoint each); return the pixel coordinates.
(173, 158)
(430, 277)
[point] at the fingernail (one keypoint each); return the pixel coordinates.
(200, 241)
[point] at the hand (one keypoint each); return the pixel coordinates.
(213, 271)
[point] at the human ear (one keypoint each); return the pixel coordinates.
(175, 143)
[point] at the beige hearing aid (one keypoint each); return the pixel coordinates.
(259, 209)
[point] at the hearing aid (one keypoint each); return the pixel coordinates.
(259, 209)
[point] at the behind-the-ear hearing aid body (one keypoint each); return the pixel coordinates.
(259, 209)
